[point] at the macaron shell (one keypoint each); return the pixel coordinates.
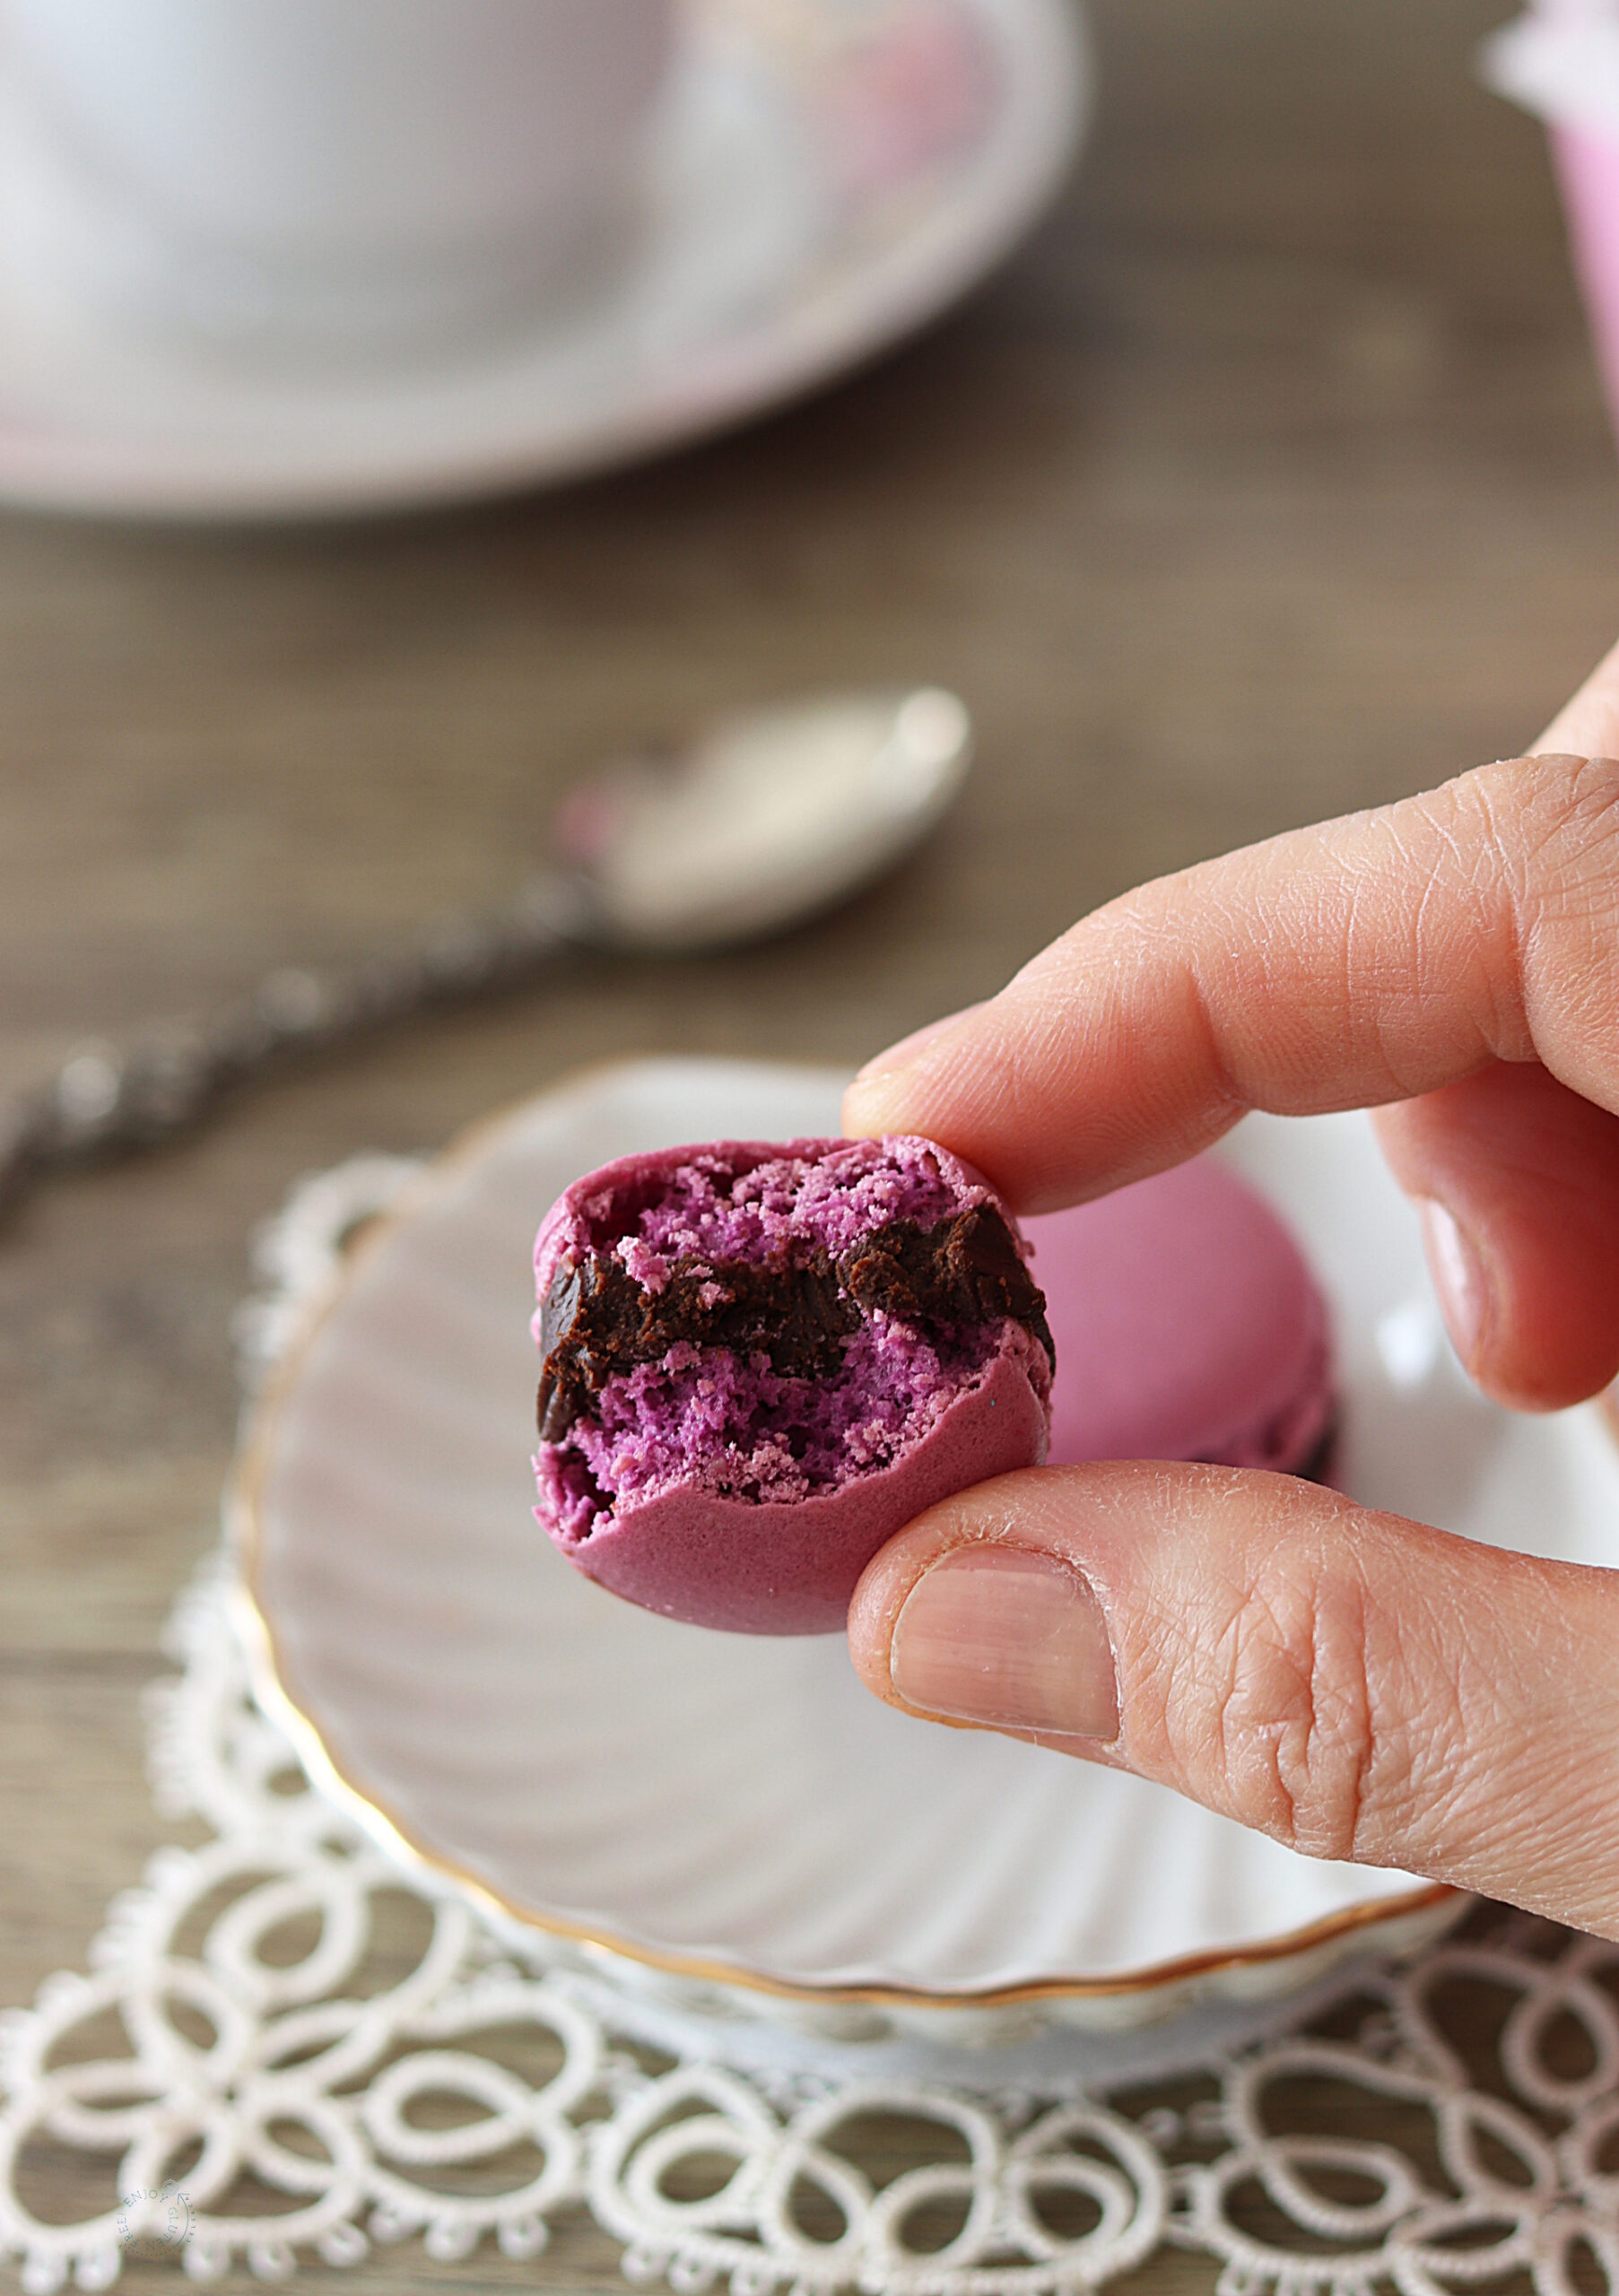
(1188, 1325)
(792, 1569)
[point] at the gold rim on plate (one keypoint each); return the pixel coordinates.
(244, 1493)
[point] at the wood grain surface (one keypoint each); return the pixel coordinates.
(1269, 479)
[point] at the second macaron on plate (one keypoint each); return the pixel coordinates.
(727, 1827)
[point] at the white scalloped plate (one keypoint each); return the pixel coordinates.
(732, 1825)
(831, 175)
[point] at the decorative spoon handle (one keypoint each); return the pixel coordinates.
(757, 822)
(108, 1100)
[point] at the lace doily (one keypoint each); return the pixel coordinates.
(284, 2050)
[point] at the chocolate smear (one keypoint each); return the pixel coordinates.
(966, 1269)
(595, 1320)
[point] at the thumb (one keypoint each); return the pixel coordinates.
(1355, 1685)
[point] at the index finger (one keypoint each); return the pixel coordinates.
(1359, 962)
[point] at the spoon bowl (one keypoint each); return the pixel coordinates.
(753, 825)
(763, 819)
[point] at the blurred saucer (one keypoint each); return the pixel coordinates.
(727, 1828)
(831, 175)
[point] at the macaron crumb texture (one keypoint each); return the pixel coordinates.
(760, 1360)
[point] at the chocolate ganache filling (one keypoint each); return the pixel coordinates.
(596, 1320)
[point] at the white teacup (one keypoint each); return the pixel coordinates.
(342, 169)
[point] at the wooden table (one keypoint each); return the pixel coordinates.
(1270, 479)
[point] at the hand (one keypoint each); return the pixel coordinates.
(1355, 1685)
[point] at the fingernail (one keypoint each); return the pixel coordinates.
(1459, 1276)
(1004, 1637)
(900, 1055)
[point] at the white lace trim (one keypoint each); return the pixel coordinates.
(263, 2108)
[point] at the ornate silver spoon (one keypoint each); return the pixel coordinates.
(758, 823)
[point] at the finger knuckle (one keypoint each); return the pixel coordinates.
(1553, 829)
(1293, 1734)
(1531, 867)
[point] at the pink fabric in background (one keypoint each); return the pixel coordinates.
(1588, 169)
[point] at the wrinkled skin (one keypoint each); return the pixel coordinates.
(1355, 1684)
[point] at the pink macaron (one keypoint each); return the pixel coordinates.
(1188, 1325)
(760, 1359)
